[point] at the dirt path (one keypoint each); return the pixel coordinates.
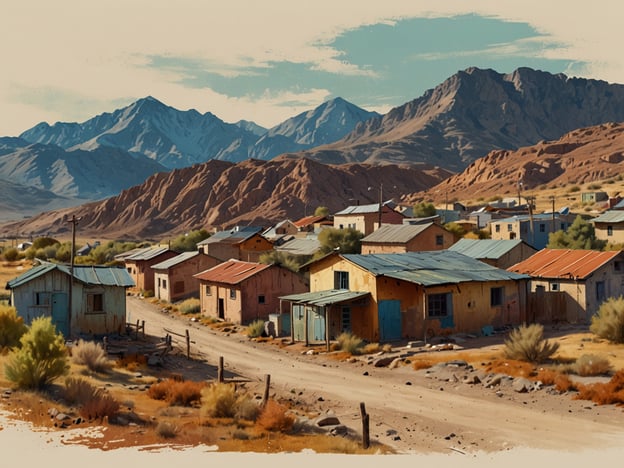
(408, 410)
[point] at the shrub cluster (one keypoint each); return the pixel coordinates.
(275, 417)
(608, 323)
(12, 327)
(255, 329)
(220, 400)
(608, 393)
(350, 343)
(526, 343)
(92, 355)
(176, 392)
(95, 403)
(189, 306)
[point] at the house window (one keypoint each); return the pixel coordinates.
(439, 239)
(164, 284)
(261, 299)
(509, 227)
(609, 230)
(438, 305)
(563, 227)
(618, 266)
(232, 293)
(542, 227)
(496, 296)
(208, 291)
(346, 318)
(600, 292)
(341, 280)
(95, 303)
(497, 227)
(42, 298)
(554, 286)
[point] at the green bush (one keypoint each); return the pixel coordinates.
(189, 306)
(350, 343)
(11, 327)
(608, 323)
(11, 254)
(591, 364)
(92, 355)
(255, 328)
(219, 400)
(526, 343)
(41, 357)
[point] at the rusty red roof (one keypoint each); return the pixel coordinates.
(309, 220)
(564, 263)
(231, 272)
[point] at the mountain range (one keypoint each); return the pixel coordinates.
(450, 127)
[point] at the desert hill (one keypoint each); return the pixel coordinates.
(220, 194)
(585, 155)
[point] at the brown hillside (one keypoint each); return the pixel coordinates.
(220, 194)
(582, 156)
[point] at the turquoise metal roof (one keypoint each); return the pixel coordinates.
(431, 268)
(324, 298)
(92, 275)
(611, 216)
(485, 248)
(147, 254)
(173, 261)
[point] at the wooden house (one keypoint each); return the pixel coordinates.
(414, 295)
(241, 292)
(367, 218)
(499, 253)
(570, 285)
(533, 229)
(241, 243)
(397, 238)
(313, 223)
(93, 304)
(139, 265)
(174, 278)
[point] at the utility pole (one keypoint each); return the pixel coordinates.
(73, 220)
(552, 198)
(380, 203)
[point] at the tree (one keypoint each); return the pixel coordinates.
(345, 241)
(580, 235)
(188, 242)
(289, 261)
(41, 357)
(321, 211)
(424, 210)
(456, 229)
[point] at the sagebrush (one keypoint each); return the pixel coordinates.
(92, 355)
(255, 329)
(12, 327)
(527, 343)
(175, 392)
(189, 306)
(608, 323)
(350, 343)
(221, 400)
(275, 417)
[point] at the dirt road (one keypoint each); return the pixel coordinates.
(408, 410)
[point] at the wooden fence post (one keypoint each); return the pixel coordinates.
(188, 344)
(267, 385)
(365, 427)
(143, 328)
(220, 370)
(136, 333)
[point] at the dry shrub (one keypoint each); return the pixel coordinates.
(590, 364)
(371, 348)
(92, 355)
(526, 343)
(511, 367)
(547, 376)
(247, 409)
(608, 323)
(132, 362)
(78, 391)
(563, 383)
(608, 393)
(350, 343)
(103, 405)
(274, 417)
(190, 306)
(255, 329)
(420, 364)
(175, 392)
(219, 400)
(166, 430)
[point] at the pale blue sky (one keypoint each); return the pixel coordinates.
(267, 61)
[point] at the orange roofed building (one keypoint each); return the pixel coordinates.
(570, 285)
(241, 292)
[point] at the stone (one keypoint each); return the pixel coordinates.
(327, 420)
(339, 430)
(383, 361)
(522, 385)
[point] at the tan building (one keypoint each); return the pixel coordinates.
(173, 278)
(609, 226)
(569, 285)
(414, 295)
(365, 218)
(139, 265)
(241, 292)
(241, 243)
(533, 229)
(398, 238)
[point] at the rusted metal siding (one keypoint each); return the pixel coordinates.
(180, 282)
(565, 263)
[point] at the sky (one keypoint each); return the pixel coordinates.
(266, 61)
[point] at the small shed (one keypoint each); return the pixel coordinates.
(174, 278)
(96, 297)
(501, 253)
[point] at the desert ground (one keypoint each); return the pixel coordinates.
(439, 410)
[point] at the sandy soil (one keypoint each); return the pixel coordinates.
(431, 411)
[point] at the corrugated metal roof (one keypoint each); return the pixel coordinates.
(232, 236)
(147, 253)
(536, 217)
(359, 209)
(431, 268)
(173, 261)
(231, 272)
(485, 248)
(299, 246)
(619, 204)
(308, 220)
(396, 233)
(88, 274)
(564, 263)
(611, 216)
(324, 298)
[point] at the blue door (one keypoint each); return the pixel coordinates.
(60, 313)
(389, 320)
(316, 324)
